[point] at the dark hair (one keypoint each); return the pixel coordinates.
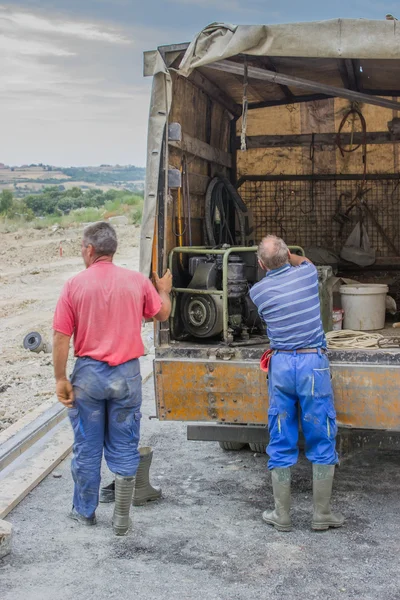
(102, 237)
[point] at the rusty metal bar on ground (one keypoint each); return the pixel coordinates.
(228, 66)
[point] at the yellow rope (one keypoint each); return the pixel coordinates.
(346, 339)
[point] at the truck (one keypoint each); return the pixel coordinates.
(292, 130)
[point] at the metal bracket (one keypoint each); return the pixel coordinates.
(174, 132)
(225, 353)
(174, 178)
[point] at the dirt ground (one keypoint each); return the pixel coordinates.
(32, 273)
(205, 540)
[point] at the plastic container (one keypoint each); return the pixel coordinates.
(337, 319)
(364, 306)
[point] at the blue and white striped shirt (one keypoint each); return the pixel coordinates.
(288, 301)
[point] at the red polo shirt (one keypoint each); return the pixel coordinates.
(103, 308)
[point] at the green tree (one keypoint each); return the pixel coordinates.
(6, 200)
(75, 192)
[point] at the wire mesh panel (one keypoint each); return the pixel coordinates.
(323, 212)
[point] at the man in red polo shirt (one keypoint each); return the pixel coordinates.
(103, 308)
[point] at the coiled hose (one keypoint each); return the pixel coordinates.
(222, 197)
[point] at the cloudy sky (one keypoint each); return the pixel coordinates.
(71, 86)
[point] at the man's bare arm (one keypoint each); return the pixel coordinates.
(164, 286)
(64, 389)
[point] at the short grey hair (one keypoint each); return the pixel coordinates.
(273, 252)
(102, 237)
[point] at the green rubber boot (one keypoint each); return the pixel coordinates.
(123, 500)
(144, 492)
(280, 517)
(323, 518)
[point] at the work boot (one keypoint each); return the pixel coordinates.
(280, 517)
(107, 493)
(144, 491)
(123, 500)
(323, 518)
(88, 521)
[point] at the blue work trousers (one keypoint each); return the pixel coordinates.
(106, 416)
(299, 385)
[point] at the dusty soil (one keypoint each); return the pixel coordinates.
(32, 273)
(205, 540)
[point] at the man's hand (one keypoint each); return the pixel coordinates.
(65, 392)
(163, 284)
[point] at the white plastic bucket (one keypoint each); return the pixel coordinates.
(364, 306)
(337, 319)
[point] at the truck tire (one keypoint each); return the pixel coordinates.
(231, 445)
(259, 448)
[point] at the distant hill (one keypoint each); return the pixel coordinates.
(105, 174)
(28, 179)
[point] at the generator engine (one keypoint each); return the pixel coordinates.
(202, 313)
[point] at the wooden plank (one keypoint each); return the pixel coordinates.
(285, 101)
(228, 66)
(198, 184)
(215, 93)
(198, 148)
(26, 420)
(17, 483)
(31, 433)
(323, 139)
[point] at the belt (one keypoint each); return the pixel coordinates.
(305, 351)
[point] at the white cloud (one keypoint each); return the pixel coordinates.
(13, 46)
(26, 22)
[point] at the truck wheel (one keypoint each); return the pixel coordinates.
(231, 445)
(259, 448)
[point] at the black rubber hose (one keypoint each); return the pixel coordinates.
(214, 199)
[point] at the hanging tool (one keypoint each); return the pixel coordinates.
(340, 216)
(379, 227)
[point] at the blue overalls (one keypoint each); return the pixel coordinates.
(106, 415)
(300, 385)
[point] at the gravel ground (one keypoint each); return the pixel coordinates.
(206, 539)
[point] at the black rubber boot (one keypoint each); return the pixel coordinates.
(123, 500)
(88, 521)
(323, 518)
(280, 517)
(107, 493)
(144, 491)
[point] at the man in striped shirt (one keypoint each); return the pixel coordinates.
(299, 381)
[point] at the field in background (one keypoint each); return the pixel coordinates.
(34, 178)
